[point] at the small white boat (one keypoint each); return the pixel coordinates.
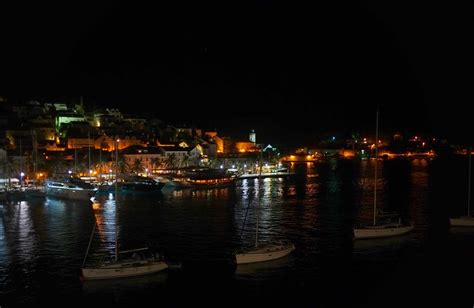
(378, 231)
(463, 221)
(264, 253)
(126, 263)
(136, 265)
(267, 252)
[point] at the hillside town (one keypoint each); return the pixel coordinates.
(38, 139)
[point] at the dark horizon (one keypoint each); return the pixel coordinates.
(288, 71)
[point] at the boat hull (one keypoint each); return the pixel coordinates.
(262, 254)
(141, 188)
(464, 221)
(378, 232)
(197, 185)
(71, 194)
(122, 271)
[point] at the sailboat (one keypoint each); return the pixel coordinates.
(126, 263)
(465, 221)
(266, 252)
(378, 230)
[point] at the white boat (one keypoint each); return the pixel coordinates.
(266, 252)
(127, 263)
(465, 221)
(130, 263)
(69, 187)
(382, 230)
(378, 230)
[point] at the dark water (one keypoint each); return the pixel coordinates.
(42, 243)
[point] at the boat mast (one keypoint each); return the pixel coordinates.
(375, 173)
(89, 143)
(469, 185)
(75, 160)
(116, 195)
(258, 203)
(8, 169)
(35, 153)
(21, 166)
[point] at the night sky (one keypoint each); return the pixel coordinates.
(284, 69)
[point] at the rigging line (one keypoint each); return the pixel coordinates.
(89, 245)
(245, 218)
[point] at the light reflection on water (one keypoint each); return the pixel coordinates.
(45, 240)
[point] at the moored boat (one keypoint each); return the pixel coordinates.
(69, 187)
(212, 178)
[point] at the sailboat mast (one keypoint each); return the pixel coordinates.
(75, 160)
(89, 143)
(469, 185)
(21, 165)
(34, 154)
(258, 203)
(8, 170)
(116, 195)
(375, 165)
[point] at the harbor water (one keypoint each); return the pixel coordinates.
(43, 241)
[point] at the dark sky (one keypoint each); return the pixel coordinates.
(285, 69)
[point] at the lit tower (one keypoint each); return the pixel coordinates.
(253, 136)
